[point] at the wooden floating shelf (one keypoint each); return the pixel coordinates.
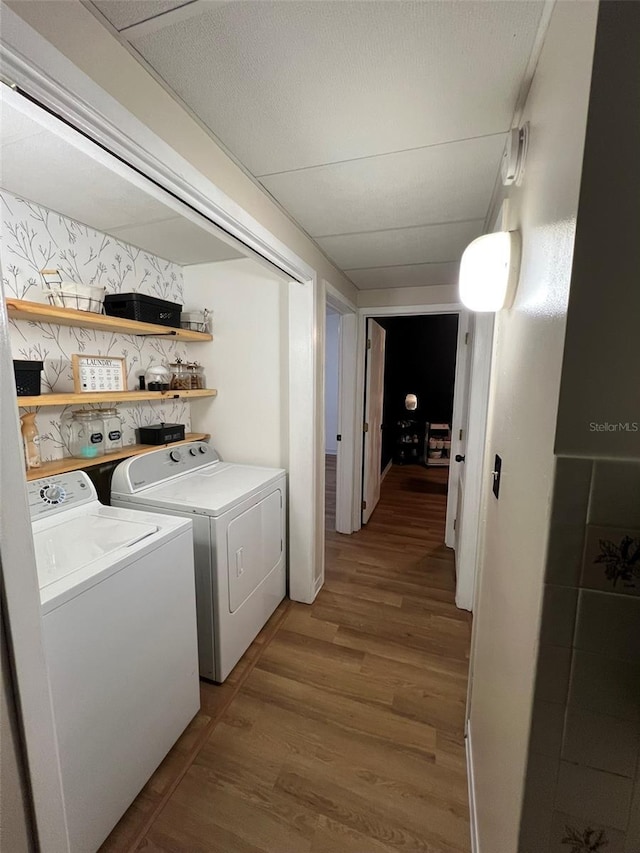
(62, 466)
(111, 397)
(40, 312)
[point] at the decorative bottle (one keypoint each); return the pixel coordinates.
(30, 440)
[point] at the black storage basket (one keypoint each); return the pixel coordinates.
(160, 433)
(27, 375)
(147, 309)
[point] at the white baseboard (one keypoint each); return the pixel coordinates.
(473, 820)
(386, 470)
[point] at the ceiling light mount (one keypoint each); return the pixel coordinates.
(515, 155)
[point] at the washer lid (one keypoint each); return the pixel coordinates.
(75, 543)
(212, 490)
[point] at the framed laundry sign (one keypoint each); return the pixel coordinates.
(93, 373)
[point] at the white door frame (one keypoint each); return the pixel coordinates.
(21, 608)
(363, 315)
(345, 460)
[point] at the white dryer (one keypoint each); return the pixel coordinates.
(119, 629)
(239, 531)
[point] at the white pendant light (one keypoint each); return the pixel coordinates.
(489, 271)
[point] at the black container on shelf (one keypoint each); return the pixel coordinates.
(27, 375)
(160, 433)
(147, 309)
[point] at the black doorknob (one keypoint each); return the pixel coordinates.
(459, 458)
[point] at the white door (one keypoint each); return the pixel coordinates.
(473, 484)
(455, 494)
(374, 399)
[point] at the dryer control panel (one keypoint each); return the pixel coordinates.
(62, 491)
(146, 470)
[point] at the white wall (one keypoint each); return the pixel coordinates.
(440, 294)
(331, 377)
(525, 385)
(247, 361)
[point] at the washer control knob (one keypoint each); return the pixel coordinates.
(175, 456)
(193, 451)
(53, 494)
(202, 448)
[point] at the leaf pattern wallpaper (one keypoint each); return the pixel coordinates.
(34, 238)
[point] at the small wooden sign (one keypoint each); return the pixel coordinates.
(95, 373)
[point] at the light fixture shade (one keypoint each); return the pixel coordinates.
(489, 271)
(411, 402)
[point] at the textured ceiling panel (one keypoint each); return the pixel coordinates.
(439, 184)
(125, 13)
(418, 275)
(286, 85)
(179, 240)
(428, 243)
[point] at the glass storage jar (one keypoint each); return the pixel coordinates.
(195, 372)
(112, 429)
(180, 376)
(87, 434)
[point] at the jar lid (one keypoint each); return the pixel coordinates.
(109, 412)
(86, 414)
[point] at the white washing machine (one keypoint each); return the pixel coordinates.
(119, 627)
(239, 533)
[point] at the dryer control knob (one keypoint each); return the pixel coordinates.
(175, 456)
(53, 494)
(193, 451)
(202, 449)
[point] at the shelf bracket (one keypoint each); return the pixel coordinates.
(170, 334)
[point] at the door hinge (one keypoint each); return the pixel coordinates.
(365, 427)
(338, 437)
(460, 434)
(466, 337)
(364, 504)
(455, 521)
(368, 343)
(280, 500)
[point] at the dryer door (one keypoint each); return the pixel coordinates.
(254, 547)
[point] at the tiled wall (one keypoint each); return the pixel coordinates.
(583, 779)
(32, 238)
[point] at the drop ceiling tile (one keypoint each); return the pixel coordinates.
(125, 13)
(439, 184)
(178, 240)
(417, 275)
(426, 243)
(287, 85)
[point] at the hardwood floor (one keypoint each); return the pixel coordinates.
(341, 730)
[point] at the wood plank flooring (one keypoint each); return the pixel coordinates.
(341, 730)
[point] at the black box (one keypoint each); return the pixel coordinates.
(147, 309)
(160, 433)
(27, 375)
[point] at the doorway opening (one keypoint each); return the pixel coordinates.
(410, 373)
